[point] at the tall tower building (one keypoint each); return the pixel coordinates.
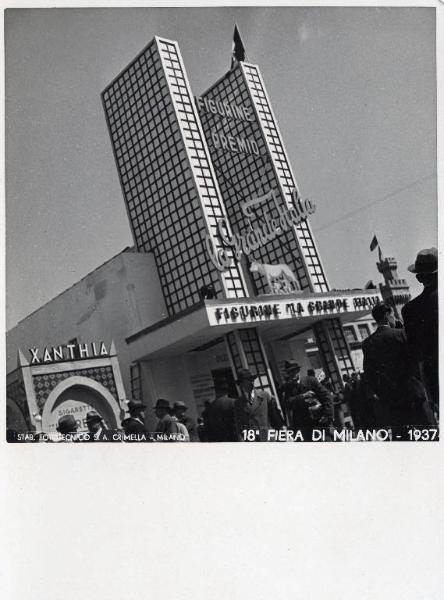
(250, 160)
(168, 182)
(394, 290)
(210, 191)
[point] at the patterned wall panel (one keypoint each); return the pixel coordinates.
(44, 384)
(284, 173)
(243, 175)
(246, 351)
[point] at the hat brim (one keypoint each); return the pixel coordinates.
(413, 269)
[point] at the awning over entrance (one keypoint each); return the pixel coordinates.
(276, 316)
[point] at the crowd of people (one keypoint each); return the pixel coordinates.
(400, 384)
(304, 404)
(397, 388)
(173, 425)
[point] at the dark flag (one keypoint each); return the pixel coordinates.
(238, 51)
(374, 243)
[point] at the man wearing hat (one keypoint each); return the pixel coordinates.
(67, 427)
(167, 426)
(218, 415)
(179, 411)
(134, 425)
(391, 380)
(94, 422)
(307, 403)
(420, 317)
(254, 410)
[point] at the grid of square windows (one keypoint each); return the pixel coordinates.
(305, 237)
(247, 341)
(136, 382)
(255, 358)
(163, 204)
(340, 346)
(334, 349)
(242, 176)
(328, 358)
(199, 157)
(234, 350)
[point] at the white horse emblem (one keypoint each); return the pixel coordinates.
(280, 278)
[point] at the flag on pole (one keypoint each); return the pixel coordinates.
(238, 51)
(375, 244)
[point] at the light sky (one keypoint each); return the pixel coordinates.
(353, 90)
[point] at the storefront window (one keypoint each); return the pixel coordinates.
(364, 331)
(136, 382)
(350, 334)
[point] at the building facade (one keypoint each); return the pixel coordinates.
(70, 355)
(210, 191)
(225, 272)
(56, 364)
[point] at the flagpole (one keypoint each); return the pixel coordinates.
(381, 258)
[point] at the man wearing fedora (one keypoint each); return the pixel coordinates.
(134, 425)
(67, 427)
(307, 403)
(254, 410)
(420, 317)
(94, 422)
(167, 426)
(392, 381)
(179, 411)
(219, 415)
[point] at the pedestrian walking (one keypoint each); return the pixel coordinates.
(68, 428)
(167, 428)
(134, 425)
(219, 415)
(96, 427)
(307, 402)
(420, 317)
(179, 411)
(398, 396)
(254, 410)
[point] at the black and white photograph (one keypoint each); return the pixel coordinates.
(221, 225)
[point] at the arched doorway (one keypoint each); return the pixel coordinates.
(77, 396)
